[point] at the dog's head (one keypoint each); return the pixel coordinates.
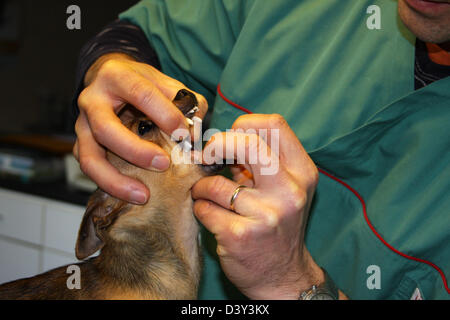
(107, 217)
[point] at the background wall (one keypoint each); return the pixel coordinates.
(37, 67)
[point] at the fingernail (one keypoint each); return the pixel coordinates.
(161, 163)
(138, 197)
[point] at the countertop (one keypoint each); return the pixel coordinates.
(37, 146)
(56, 190)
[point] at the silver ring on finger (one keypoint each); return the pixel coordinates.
(234, 196)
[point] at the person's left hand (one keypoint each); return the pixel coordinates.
(261, 245)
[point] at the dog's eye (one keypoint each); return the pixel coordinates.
(144, 127)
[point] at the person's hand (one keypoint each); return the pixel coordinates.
(113, 81)
(261, 245)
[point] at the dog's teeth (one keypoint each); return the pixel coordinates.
(194, 110)
(190, 122)
(186, 146)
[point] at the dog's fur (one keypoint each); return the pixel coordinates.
(147, 252)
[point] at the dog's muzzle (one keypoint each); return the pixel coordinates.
(213, 169)
(188, 105)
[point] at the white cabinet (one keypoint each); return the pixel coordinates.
(52, 260)
(61, 226)
(20, 217)
(36, 234)
(17, 261)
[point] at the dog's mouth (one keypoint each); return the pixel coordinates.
(188, 105)
(195, 157)
(213, 169)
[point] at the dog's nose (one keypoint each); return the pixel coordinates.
(185, 101)
(183, 93)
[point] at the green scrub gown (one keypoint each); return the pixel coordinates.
(380, 222)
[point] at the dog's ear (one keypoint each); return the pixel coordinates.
(101, 212)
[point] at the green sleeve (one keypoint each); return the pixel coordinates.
(192, 38)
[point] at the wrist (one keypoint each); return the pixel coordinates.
(301, 276)
(309, 274)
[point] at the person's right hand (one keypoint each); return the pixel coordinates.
(113, 81)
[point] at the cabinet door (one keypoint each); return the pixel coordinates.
(17, 261)
(61, 226)
(20, 217)
(54, 260)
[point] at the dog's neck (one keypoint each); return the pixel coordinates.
(145, 262)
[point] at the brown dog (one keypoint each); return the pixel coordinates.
(147, 252)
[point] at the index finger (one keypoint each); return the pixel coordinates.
(248, 149)
(170, 87)
(109, 131)
(147, 97)
(93, 162)
(282, 139)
